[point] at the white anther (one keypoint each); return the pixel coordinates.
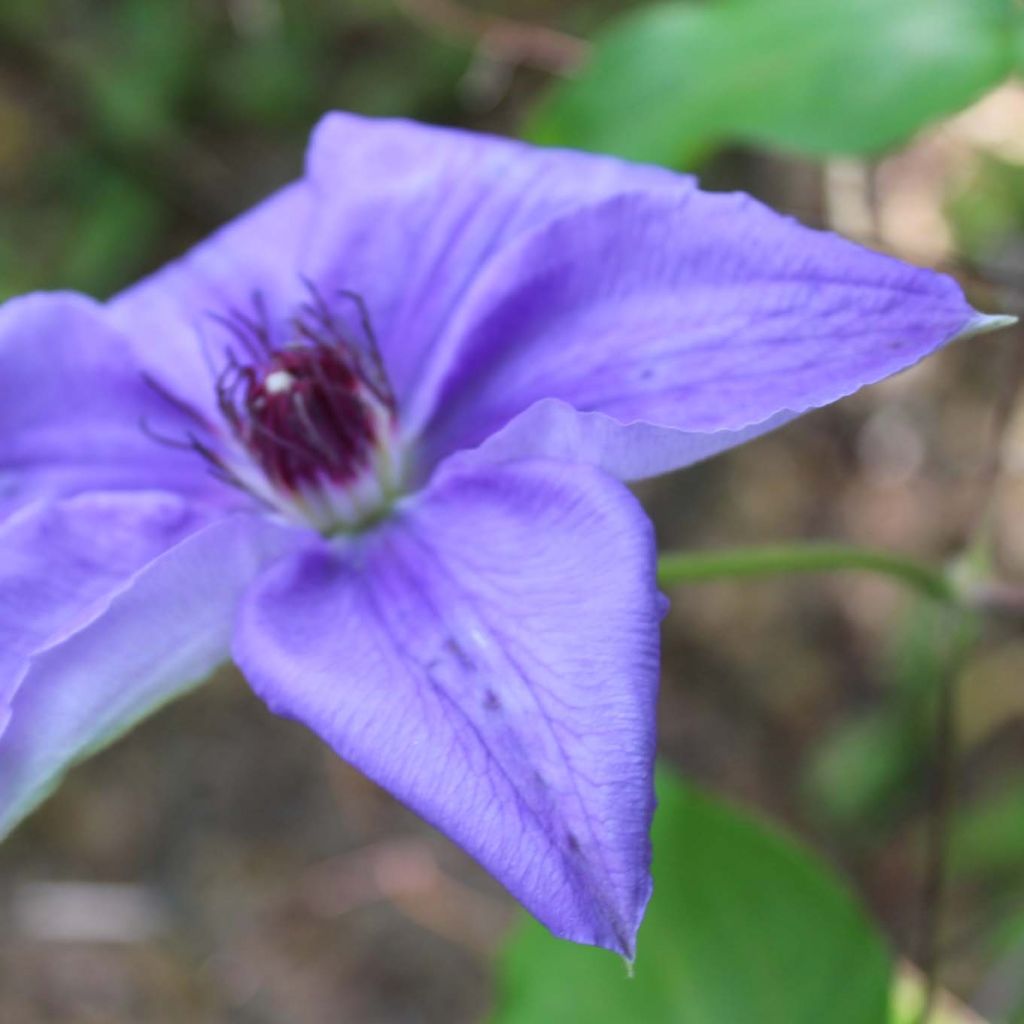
(278, 381)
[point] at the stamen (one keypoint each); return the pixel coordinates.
(278, 382)
(309, 425)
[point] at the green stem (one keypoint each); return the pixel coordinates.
(733, 563)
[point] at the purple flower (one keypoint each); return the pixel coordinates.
(370, 441)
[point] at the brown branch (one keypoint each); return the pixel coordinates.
(936, 883)
(997, 598)
(505, 40)
(942, 808)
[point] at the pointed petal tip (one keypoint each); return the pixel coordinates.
(612, 937)
(983, 323)
(562, 825)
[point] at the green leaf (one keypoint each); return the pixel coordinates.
(862, 771)
(269, 80)
(987, 211)
(987, 839)
(744, 926)
(670, 82)
(1018, 42)
(113, 230)
(137, 68)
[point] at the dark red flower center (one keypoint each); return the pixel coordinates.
(306, 416)
(315, 416)
(311, 421)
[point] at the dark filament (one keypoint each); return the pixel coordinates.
(308, 413)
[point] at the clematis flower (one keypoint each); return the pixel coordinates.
(372, 441)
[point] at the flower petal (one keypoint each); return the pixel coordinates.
(169, 317)
(626, 451)
(408, 213)
(708, 314)
(74, 408)
(491, 657)
(62, 562)
(165, 630)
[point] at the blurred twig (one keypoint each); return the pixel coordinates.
(936, 881)
(512, 42)
(769, 560)
(1009, 391)
(960, 633)
(998, 598)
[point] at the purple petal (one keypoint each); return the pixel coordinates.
(491, 657)
(74, 408)
(164, 631)
(62, 562)
(703, 314)
(170, 316)
(627, 451)
(407, 214)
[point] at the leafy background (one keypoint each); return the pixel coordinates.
(187, 875)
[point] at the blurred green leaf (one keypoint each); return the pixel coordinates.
(987, 211)
(113, 233)
(268, 80)
(860, 771)
(138, 66)
(744, 926)
(862, 768)
(988, 836)
(23, 15)
(671, 82)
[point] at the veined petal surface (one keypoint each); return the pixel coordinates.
(403, 214)
(706, 315)
(497, 275)
(163, 633)
(407, 214)
(76, 412)
(172, 317)
(61, 562)
(490, 656)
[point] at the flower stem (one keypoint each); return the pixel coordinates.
(732, 563)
